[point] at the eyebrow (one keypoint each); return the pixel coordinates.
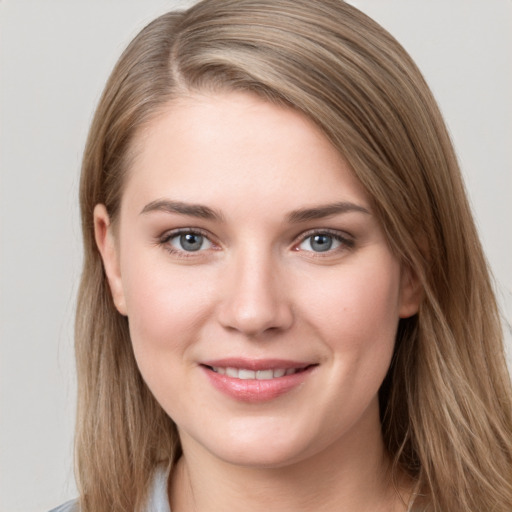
(193, 210)
(294, 217)
(322, 211)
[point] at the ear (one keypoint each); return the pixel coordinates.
(109, 254)
(411, 293)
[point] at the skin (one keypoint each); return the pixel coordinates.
(258, 288)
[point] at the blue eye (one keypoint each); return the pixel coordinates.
(190, 242)
(320, 242)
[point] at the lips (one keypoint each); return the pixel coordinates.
(256, 380)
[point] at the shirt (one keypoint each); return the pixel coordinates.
(157, 497)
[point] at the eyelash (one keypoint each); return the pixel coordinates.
(165, 240)
(346, 242)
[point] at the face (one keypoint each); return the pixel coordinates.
(262, 297)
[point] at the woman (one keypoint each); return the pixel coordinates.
(284, 304)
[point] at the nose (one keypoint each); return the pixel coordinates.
(254, 299)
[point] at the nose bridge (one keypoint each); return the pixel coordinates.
(254, 295)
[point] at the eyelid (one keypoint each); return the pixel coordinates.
(167, 236)
(345, 238)
(171, 233)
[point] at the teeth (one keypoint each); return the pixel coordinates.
(232, 372)
(245, 374)
(264, 374)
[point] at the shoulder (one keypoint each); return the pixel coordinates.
(69, 506)
(157, 495)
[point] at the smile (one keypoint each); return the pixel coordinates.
(247, 374)
(256, 380)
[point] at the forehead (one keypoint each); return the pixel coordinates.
(235, 146)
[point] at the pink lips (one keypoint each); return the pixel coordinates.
(256, 380)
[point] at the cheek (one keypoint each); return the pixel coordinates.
(165, 306)
(357, 308)
(166, 313)
(356, 316)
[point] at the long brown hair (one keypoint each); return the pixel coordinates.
(446, 403)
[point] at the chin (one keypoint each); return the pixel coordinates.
(262, 444)
(263, 457)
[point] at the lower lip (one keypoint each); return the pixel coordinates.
(254, 390)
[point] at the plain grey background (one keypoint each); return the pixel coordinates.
(55, 57)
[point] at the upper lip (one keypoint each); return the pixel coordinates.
(256, 364)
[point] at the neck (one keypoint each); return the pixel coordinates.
(351, 474)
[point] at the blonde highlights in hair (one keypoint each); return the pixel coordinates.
(446, 403)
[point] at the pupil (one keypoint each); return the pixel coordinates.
(321, 243)
(191, 242)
